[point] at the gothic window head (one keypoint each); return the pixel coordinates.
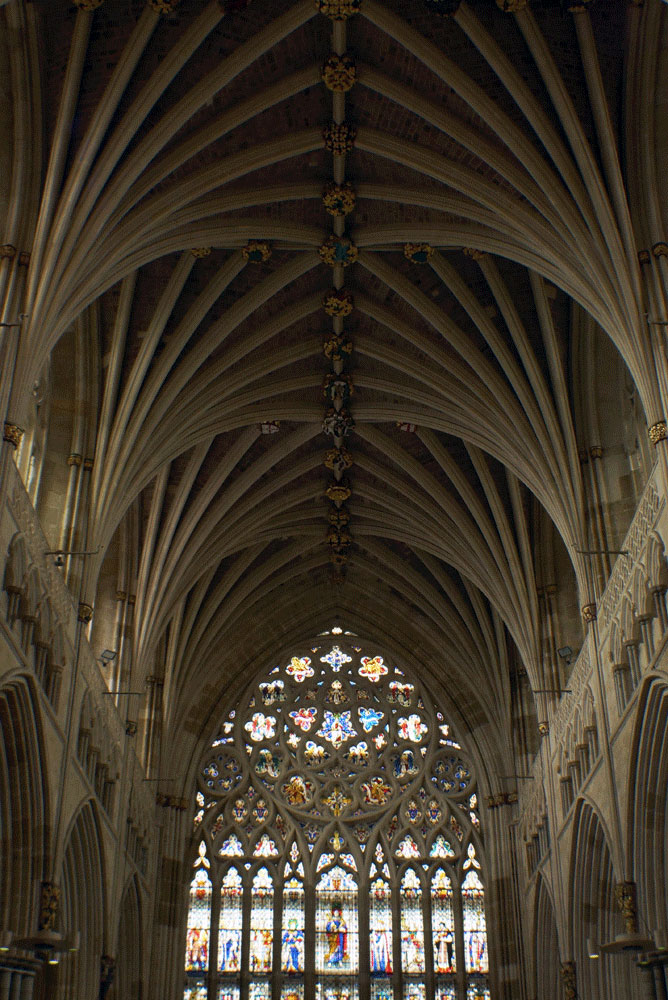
(338, 841)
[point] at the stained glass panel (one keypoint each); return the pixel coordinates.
(336, 989)
(199, 920)
(380, 928)
(443, 924)
(228, 991)
(195, 991)
(336, 922)
(414, 991)
(478, 990)
(259, 990)
(292, 940)
(381, 989)
(412, 925)
(292, 991)
(261, 923)
(444, 991)
(230, 923)
(475, 927)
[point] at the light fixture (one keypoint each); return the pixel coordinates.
(628, 943)
(593, 949)
(661, 939)
(565, 653)
(107, 656)
(5, 940)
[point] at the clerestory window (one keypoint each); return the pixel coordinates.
(339, 852)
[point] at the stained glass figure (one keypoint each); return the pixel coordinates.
(260, 811)
(299, 669)
(292, 938)
(443, 923)
(268, 764)
(259, 990)
(199, 921)
(412, 812)
(260, 726)
(336, 989)
(369, 718)
(261, 922)
(445, 991)
(230, 922)
(297, 791)
(414, 991)
(337, 801)
(195, 991)
(228, 991)
(337, 728)
(380, 928)
(304, 717)
(441, 848)
(456, 828)
(323, 861)
(372, 668)
(400, 694)
(336, 659)
(265, 847)
(411, 728)
(433, 812)
(404, 765)
(231, 847)
(408, 848)
(349, 861)
(412, 925)
(336, 922)
(272, 691)
(477, 990)
(336, 695)
(376, 791)
(475, 927)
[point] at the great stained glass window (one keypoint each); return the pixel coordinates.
(337, 820)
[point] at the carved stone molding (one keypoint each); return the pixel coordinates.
(658, 432)
(12, 433)
(85, 612)
(48, 906)
(589, 612)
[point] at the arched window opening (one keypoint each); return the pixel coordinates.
(340, 851)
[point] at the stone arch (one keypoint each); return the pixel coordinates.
(648, 821)
(23, 807)
(128, 984)
(16, 568)
(594, 914)
(546, 953)
(83, 903)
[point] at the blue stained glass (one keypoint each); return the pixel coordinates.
(336, 658)
(369, 718)
(337, 728)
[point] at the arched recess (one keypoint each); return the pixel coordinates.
(23, 808)
(546, 955)
(128, 985)
(594, 912)
(648, 827)
(82, 883)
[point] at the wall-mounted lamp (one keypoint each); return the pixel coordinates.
(593, 949)
(566, 653)
(59, 553)
(6, 940)
(107, 656)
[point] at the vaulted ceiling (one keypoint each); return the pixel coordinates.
(182, 165)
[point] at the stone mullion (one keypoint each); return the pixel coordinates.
(278, 926)
(363, 945)
(309, 946)
(396, 942)
(460, 955)
(428, 940)
(212, 987)
(247, 906)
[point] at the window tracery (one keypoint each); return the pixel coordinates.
(339, 851)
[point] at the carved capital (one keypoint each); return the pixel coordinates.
(7, 251)
(544, 728)
(627, 901)
(596, 451)
(85, 612)
(74, 460)
(658, 432)
(643, 257)
(569, 980)
(12, 434)
(660, 249)
(589, 612)
(48, 906)
(24, 258)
